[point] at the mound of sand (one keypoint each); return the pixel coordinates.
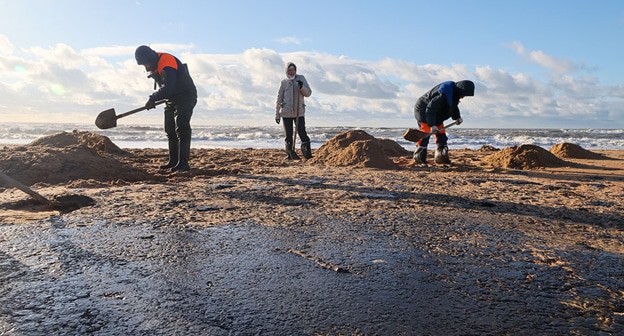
(567, 150)
(488, 148)
(359, 149)
(76, 138)
(524, 157)
(67, 157)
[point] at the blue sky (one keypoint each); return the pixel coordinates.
(535, 63)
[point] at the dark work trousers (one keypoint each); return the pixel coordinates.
(178, 114)
(301, 130)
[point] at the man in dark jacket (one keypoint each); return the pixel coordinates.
(176, 86)
(432, 109)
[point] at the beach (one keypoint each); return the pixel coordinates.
(356, 241)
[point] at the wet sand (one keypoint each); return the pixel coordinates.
(249, 243)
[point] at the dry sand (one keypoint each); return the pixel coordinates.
(506, 227)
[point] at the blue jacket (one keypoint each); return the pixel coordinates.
(439, 104)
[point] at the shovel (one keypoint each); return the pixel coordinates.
(64, 204)
(9, 181)
(108, 118)
(413, 134)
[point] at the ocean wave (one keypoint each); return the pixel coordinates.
(133, 136)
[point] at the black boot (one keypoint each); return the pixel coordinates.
(173, 155)
(183, 160)
(441, 155)
(420, 155)
(306, 150)
(290, 152)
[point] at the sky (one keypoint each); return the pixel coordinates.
(535, 63)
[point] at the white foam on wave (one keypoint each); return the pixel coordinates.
(132, 136)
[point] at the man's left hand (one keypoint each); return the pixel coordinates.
(150, 104)
(458, 121)
(300, 83)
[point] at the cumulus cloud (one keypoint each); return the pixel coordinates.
(6, 47)
(61, 84)
(288, 40)
(617, 91)
(557, 65)
(109, 51)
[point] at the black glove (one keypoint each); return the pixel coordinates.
(277, 120)
(300, 84)
(150, 104)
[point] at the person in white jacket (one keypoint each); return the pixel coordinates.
(290, 107)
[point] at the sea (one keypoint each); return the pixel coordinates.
(153, 136)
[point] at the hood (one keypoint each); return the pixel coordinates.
(146, 56)
(288, 65)
(466, 87)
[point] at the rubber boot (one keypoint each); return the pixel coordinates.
(420, 155)
(183, 160)
(306, 150)
(290, 152)
(441, 155)
(173, 155)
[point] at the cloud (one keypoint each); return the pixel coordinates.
(6, 47)
(60, 84)
(124, 51)
(617, 91)
(557, 65)
(109, 51)
(288, 40)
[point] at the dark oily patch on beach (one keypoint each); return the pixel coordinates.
(233, 270)
(61, 203)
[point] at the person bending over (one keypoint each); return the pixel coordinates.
(432, 109)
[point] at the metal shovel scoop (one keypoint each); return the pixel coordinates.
(108, 118)
(414, 134)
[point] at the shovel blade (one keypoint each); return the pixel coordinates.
(414, 135)
(106, 119)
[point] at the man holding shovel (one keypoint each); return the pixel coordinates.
(290, 106)
(176, 86)
(432, 109)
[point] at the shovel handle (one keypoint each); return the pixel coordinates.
(451, 124)
(125, 114)
(9, 181)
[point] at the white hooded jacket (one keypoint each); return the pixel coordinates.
(290, 99)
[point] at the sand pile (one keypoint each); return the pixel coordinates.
(524, 157)
(359, 149)
(67, 157)
(87, 139)
(567, 150)
(488, 148)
